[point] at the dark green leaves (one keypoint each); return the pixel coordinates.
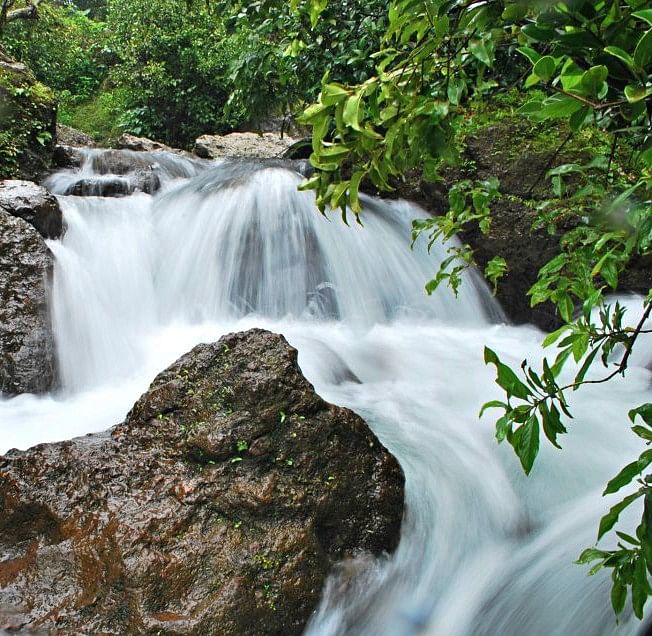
(506, 378)
(609, 520)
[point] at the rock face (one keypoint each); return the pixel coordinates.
(27, 359)
(34, 204)
(265, 146)
(68, 136)
(116, 186)
(217, 507)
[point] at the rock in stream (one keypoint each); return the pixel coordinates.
(217, 507)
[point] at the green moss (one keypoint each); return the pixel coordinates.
(98, 117)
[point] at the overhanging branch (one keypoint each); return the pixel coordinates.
(30, 12)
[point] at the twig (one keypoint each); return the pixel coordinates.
(549, 164)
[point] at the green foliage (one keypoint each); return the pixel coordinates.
(64, 49)
(467, 202)
(173, 62)
(591, 64)
(26, 117)
(289, 49)
(101, 117)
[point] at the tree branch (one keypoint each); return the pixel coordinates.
(30, 12)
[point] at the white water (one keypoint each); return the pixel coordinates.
(484, 550)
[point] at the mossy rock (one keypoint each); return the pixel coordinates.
(28, 112)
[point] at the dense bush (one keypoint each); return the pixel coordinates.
(64, 48)
(288, 50)
(174, 64)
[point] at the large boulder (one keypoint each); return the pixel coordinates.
(27, 358)
(217, 507)
(68, 136)
(254, 145)
(34, 204)
(27, 122)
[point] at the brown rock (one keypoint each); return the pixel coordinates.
(169, 524)
(27, 360)
(34, 204)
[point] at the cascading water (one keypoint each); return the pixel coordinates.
(484, 550)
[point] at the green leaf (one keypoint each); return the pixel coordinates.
(640, 588)
(566, 307)
(580, 345)
(628, 473)
(503, 427)
(526, 443)
(591, 554)
(538, 34)
(506, 378)
(351, 113)
(645, 15)
(554, 336)
(333, 94)
(514, 12)
(481, 50)
(623, 56)
(643, 51)
(530, 53)
(593, 80)
(578, 118)
(544, 69)
(618, 596)
(354, 188)
(579, 378)
(455, 91)
(644, 411)
(496, 268)
(609, 520)
(316, 8)
(551, 422)
(492, 404)
(643, 433)
(559, 106)
(636, 93)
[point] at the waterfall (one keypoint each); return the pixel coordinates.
(223, 247)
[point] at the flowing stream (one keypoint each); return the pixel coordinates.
(223, 247)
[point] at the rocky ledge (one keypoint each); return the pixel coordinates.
(34, 204)
(217, 507)
(27, 351)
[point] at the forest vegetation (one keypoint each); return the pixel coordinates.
(390, 89)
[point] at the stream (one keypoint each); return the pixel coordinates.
(484, 550)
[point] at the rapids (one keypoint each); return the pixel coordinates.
(223, 247)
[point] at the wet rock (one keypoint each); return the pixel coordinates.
(67, 156)
(27, 359)
(115, 186)
(34, 204)
(120, 161)
(526, 251)
(217, 507)
(266, 145)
